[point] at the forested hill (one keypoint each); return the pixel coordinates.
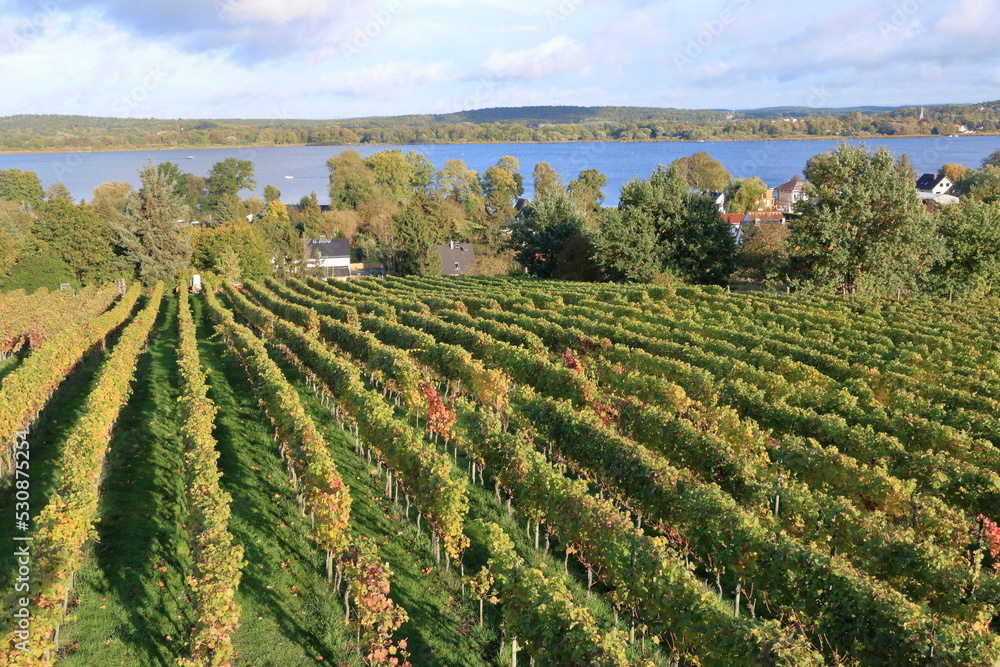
(502, 124)
(548, 114)
(811, 112)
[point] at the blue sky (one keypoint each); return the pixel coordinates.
(336, 59)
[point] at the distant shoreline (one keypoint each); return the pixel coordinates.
(879, 137)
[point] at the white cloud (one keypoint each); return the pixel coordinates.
(514, 28)
(384, 79)
(559, 54)
(267, 11)
(313, 58)
(969, 16)
(716, 69)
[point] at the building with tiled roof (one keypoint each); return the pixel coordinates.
(789, 193)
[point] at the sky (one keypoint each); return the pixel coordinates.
(324, 59)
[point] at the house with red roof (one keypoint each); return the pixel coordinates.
(744, 224)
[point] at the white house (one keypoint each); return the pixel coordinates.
(936, 190)
(734, 220)
(934, 184)
(720, 200)
(331, 255)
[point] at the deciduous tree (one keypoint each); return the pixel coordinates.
(271, 194)
(691, 239)
(742, 194)
(23, 187)
(308, 217)
(546, 226)
(393, 173)
(109, 198)
(952, 171)
(547, 183)
(626, 248)
(905, 167)
(992, 160)
(971, 233)
(227, 210)
(58, 192)
(376, 218)
(40, 267)
(227, 178)
(339, 224)
(351, 180)
(701, 248)
(501, 185)
(763, 257)
(867, 230)
(284, 245)
(228, 266)
(17, 223)
(587, 192)
(703, 172)
(8, 253)
(79, 237)
(458, 182)
(982, 184)
(210, 245)
(254, 205)
(195, 194)
(275, 210)
(421, 173)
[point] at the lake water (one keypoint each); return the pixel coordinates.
(773, 161)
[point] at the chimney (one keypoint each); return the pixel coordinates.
(451, 244)
(322, 238)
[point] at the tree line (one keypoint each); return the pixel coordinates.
(861, 228)
(47, 239)
(534, 124)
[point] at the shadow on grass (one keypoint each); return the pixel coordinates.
(13, 360)
(140, 556)
(439, 630)
(464, 609)
(290, 615)
(46, 437)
